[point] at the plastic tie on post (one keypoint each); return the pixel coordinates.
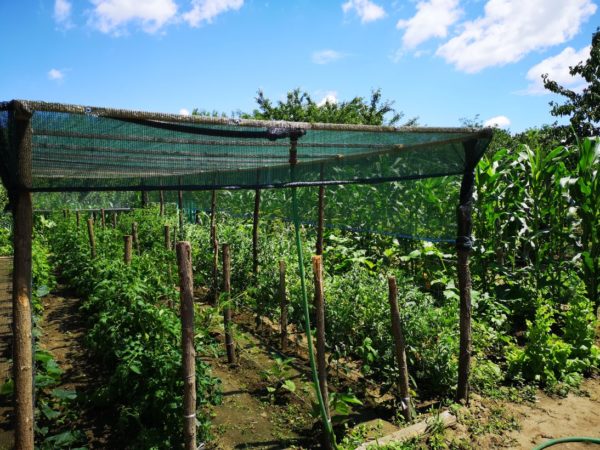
(464, 242)
(405, 403)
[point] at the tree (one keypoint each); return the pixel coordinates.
(582, 108)
(300, 107)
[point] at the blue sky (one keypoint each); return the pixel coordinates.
(440, 60)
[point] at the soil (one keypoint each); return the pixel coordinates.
(551, 418)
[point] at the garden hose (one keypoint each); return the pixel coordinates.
(552, 442)
(311, 356)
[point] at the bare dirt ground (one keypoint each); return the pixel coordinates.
(551, 418)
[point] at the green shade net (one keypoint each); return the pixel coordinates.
(403, 181)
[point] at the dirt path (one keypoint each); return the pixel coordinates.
(247, 418)
(6, 434)
(62, 335)
(552, 418)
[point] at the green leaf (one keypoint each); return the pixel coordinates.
(289, 385)
(64, 394)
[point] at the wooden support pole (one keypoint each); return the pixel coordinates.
(227, 322)
(21, 288)
(114, 220)
(463, 249)
(22, 350)
(283, 306)
(317, 264)
(167, 234)
(92, 238)
(186, 290)
(215, 244)
(127, 249)
(320, 220)
(103, 218)
(255, 233)
(162, 203)
(144, 199)
(134, 235)
(400, 348)
(181, 218)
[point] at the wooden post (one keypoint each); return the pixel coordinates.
(103, 218)
(186, 290)
(317, 264)
(77, 218)
(463, 249)
(283, 306)
(320, 220)
(21, 288)
(127, 249)
(167, 233)
(162, 203)
(90, 223)
(134, 235)
(400, 348)
(144, 199)
(227, 322)
(215, 244)
(114, 220)
(255, 233)
(180, 203)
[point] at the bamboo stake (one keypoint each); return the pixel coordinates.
(283, 321)
(399, 345)
(227, 322)
(103, 217)
(317, 264)
(127, 250)
(255, 233)
(167, 234)
(134, 235)
(215, 244)
(114, 220)
(144, 199)
(162, 203)
(186, 289)
(92, 239)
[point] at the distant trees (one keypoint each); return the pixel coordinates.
(300, 107)
(583, 109)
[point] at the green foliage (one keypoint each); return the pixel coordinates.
(133, 332)
(300, 107)
(582, 108)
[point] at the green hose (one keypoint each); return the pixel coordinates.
(552, 442)
(311, 355)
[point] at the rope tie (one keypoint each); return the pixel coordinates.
(464, 242)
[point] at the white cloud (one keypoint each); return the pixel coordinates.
(184, 112)
(112, 16)
(557, 67)
(329, 97)
(510, 29)
(56, 75)
(326, 56)
(207, 10)
(365, 9)
(62, 12)
(432, 19)
(497, 122)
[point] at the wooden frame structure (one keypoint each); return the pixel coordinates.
(18, 181)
